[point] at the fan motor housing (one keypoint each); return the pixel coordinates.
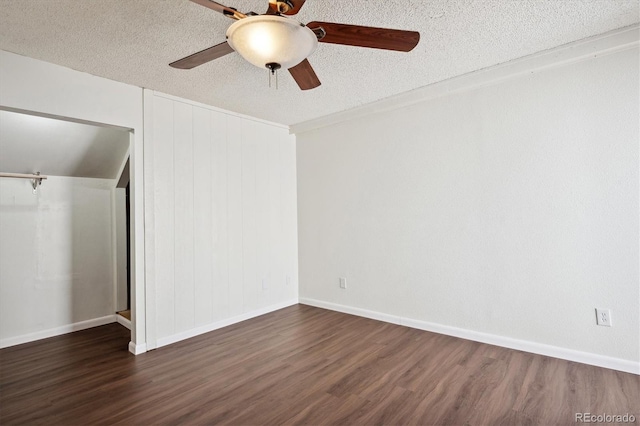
(284, 6)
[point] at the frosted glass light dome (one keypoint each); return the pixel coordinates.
(267, 39)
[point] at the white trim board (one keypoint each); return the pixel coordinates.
(491, 339)
(577, 51)
(57, 331)
(149, 222)
(164, 341)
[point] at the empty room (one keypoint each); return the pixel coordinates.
(262, 212)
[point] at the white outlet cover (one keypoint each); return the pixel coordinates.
(603, 317)
(343, 283)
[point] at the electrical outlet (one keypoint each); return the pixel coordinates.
(343, 283)
(265, 284)
(603, 317)
(288, 282)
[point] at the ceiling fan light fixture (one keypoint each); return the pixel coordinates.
(271, 39)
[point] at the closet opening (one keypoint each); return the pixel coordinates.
(59, 256)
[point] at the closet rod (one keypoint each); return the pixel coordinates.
(22, 176)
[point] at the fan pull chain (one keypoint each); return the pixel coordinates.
(273, 70)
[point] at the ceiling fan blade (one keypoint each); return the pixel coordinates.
(377, 38)
(288, 10)
(226, 11)
(305, 76)
(203, 56)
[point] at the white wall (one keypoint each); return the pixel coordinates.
(505, 212)
(224, 203)
(30, 85)
(56, 258)
(120, 212)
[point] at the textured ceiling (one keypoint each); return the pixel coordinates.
(31, 144)
(132, 41)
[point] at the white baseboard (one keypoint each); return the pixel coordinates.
(57, 331)
(123, 321)
(164, 341)
(492, 339)
(137, 349)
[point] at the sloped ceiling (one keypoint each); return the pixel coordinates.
(133, 41)
(30, 144)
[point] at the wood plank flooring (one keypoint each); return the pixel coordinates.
(301, 365)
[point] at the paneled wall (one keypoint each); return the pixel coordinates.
(224, 223)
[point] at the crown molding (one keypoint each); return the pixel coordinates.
(577, 51)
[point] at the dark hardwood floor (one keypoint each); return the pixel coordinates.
(301, 365)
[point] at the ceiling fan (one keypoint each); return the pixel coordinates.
(273, 40)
